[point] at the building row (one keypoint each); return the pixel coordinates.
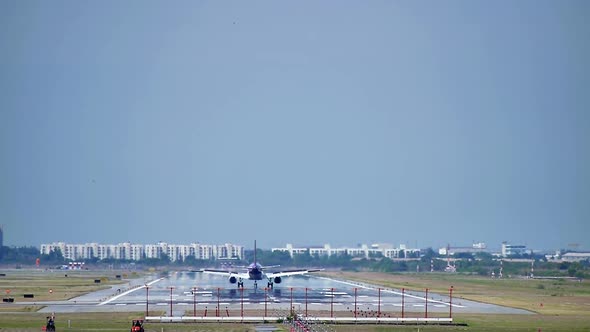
(507, 250)
(130, 251)
(365, 251)
(473, 249)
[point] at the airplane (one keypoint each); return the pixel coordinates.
(255, 272)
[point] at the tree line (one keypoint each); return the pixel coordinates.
(479, 264)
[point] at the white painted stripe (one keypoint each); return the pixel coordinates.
(120, 303)
(129, 291)
(161, 303)
(418, 305)
(140, 304)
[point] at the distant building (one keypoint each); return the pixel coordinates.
(475, 248)
(575, 256)
(364, 251)
(130, 251)
(513, 249)
(291, 250)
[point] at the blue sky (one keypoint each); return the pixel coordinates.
(418, 122)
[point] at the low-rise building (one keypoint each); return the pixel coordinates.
(575, 256)
(513, 249)
(473, 249)
(362, 251)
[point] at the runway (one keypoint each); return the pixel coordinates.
(214, 295)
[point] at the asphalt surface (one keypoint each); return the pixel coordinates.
(300, 292)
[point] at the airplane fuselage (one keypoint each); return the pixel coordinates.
(255, 272)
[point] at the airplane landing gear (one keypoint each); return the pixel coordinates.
(255, 284)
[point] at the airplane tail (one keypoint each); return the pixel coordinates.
(254, 252)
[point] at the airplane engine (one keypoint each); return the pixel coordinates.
(233, 280)
(278, 280)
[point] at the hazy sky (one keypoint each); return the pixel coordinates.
(418, 122)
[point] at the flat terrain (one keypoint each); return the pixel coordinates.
(55, 285)
(553, 305)
(551, 297)
(559, 305)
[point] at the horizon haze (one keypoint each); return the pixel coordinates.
(422, 123)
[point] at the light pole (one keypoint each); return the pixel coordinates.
(171, 288)
(242, 302)
(403, 293)
(379, 304)
(217, 312)
(306, 301)
(426, 305)
(332, 302)
(194, 301)
(355, 289)
(265, 298)
(291, 305)
(451, 302)
(147, 299)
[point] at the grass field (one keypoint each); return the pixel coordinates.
(560, 305)
(53, 285)
(566, 304)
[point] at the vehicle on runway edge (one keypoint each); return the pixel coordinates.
(50, 326)
(255, 272)
(137, 325)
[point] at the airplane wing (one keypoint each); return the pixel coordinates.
(270, 266)
(289, 273)
(226, 273)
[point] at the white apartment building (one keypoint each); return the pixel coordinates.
(513, 249)
(154, 250)
(364, 250)
(130, 251)
(291, 250)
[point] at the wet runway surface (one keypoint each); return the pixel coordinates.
(300, 292)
